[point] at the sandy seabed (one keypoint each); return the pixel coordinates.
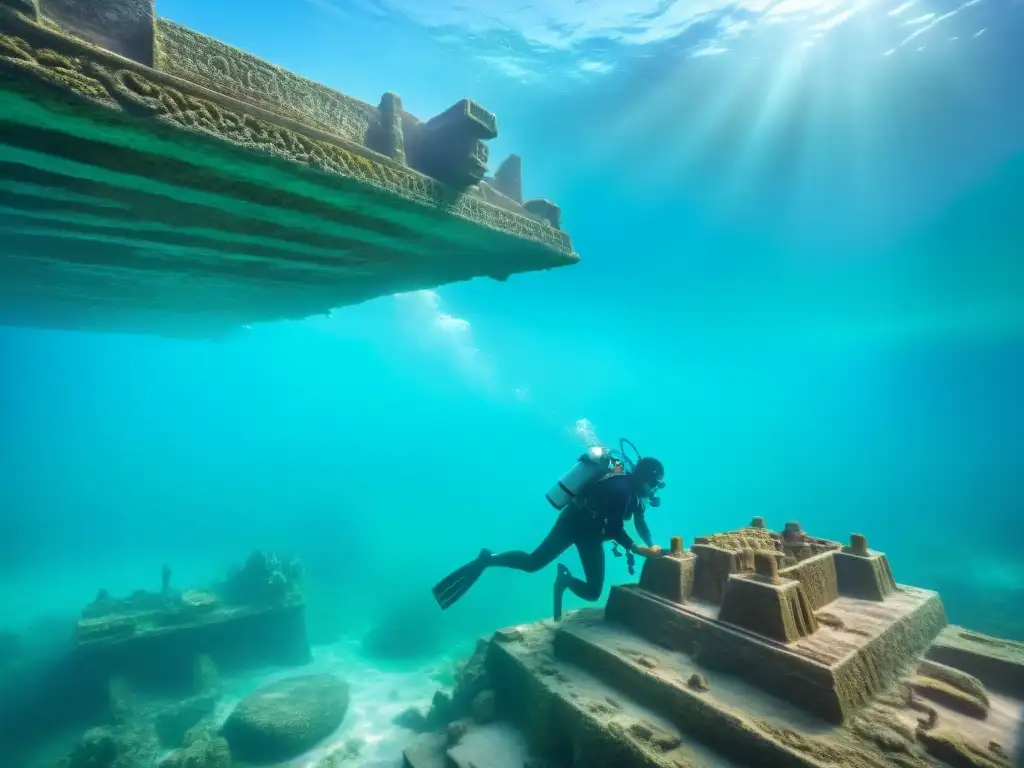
(378, 692)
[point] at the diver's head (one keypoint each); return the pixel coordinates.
(649, 477)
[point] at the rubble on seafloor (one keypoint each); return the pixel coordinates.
(257, 615)
(144, 670)
(752, 648)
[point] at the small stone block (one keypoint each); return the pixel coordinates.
(865, 577)
(766, 566)
(757, 522)
(125, 27)
(779, 611)
(677, 545)
(669, 577)
(545, 210)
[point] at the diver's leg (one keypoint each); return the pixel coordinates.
(592, 558)
(559, 539)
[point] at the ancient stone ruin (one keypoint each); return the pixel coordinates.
(146, 670)
(752, 648)
(157, 180)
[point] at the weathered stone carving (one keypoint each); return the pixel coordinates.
(281, 198)
(657, 683)
(387, 134)
(508, 179)
(450, 146)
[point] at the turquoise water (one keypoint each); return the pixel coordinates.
(800, 288)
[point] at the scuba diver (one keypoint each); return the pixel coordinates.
(595, 499)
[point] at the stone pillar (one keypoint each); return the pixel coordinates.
(712, 570)
(509, 178)
(450, 148)
(671, 576)
(387, 136)
(545, 210)
(770, 606)
(125, 27)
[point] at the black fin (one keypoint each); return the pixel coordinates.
(456, 584)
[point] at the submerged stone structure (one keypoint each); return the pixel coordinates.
(147, 669)
(153, 179)
(256, 617)
(752, 648)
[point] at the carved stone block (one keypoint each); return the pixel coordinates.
(545, 210)
(124, 27)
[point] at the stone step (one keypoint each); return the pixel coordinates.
(752, 727)
(720, 711)
(573, 718)
(495, 745)
(998, 663)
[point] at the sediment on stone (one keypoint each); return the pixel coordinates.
(997, 663)
(811, 677)
(230, 194)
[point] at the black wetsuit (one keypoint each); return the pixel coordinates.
(598, 515)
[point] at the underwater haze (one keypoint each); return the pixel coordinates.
(801, 286)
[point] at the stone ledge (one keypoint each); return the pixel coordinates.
(829, 673)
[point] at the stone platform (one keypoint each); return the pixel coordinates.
(868, 675)
(830, 673)
(153, 179)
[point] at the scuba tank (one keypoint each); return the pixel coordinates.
(594, 463)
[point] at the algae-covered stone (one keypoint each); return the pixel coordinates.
(286, 718)
(115, 747)
(173, 722)
(205, 753)
(98, 748)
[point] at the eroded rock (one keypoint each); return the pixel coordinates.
(287, 718)
(483, 707)
(413, 719)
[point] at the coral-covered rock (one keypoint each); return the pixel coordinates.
(471, 680)
(125, 746)
(204, 753)
(284, 719)
(98, 748)
(174, 721)
(265, 578)
(198, 601)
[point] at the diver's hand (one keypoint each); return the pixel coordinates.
(653, 551)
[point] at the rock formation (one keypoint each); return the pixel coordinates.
(284, 719)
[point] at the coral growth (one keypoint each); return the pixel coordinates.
(265, 578)
(284, 719)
